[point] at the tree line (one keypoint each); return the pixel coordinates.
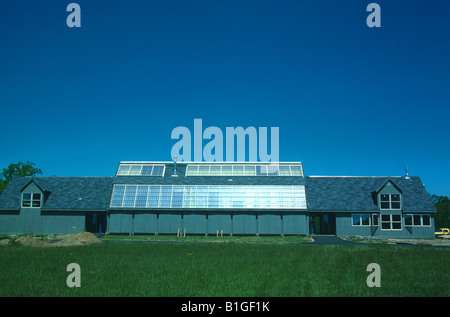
(442, 217)
(17, 169)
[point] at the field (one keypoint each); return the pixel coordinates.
(166, 269)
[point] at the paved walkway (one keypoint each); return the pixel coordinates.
(334, 240)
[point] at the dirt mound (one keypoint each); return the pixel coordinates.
(77, 239)
(80, 238)
(31, 241)
(5, 242)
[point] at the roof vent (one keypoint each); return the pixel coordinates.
(79, 192)
(406, 172)
(175, 167)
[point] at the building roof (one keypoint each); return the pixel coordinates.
(323, 193)
(62, 193)
(357, 193)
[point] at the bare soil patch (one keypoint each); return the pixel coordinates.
(77, 239)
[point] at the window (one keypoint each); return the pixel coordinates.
(417, 220)
(130, 196)
(215, 170)
(408, 220)
(203, 170)
(360, 220)
(375, 220)
(227, 170)
(192, 170)
(285, 171)
(390, 201)
(426, 220)
(238, 170)
(212, 196)
(391, 222)
(141, 170)
(260, 169)
(31, 200)
(296, 170)
(250, 170)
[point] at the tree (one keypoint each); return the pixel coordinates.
(442, 218)
(18, 169)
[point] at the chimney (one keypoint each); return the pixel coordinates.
(406, 172)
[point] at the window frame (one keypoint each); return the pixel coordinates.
(32, 200)
(242, 169)
(390, 201)
(391, 222)
(126, 168)
(369, 217)
(373, 217)
(209, 196)
(421, 216)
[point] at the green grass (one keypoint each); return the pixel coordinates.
(223, 269)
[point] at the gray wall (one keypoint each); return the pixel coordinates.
(344, 228)
(33, 220)
(194, 222)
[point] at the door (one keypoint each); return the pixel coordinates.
(323, 223)
(95, 222)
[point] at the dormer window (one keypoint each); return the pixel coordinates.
(31, 200)
(390, 201)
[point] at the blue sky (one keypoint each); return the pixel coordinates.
(348, 99)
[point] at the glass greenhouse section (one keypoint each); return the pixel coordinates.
(209, 196)
(141, 170)
(244, 170)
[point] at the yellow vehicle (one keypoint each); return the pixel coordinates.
(442, 231)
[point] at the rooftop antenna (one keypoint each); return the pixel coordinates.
(175, 166)
(406, 172)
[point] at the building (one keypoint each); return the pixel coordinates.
(218, 197)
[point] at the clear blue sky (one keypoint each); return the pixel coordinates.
(348, 99)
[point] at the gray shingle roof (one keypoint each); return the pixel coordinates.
(63, 193)
(322, 193)
(356, 193)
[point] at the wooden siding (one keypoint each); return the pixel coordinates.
(208, 223)
(33, 220)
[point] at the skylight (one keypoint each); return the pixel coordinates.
(209, 196)
(244, 170)
(131, 169)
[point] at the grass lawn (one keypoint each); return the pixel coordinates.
(213, 238)
(223, 270)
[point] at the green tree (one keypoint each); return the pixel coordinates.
(18, 169)
(442, 218)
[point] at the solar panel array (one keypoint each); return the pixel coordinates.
(209, 196)
(243, 170)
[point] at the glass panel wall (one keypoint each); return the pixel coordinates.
(209, 196)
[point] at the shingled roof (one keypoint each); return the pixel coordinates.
(351, 194)
(62, 193)
(357, 193)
